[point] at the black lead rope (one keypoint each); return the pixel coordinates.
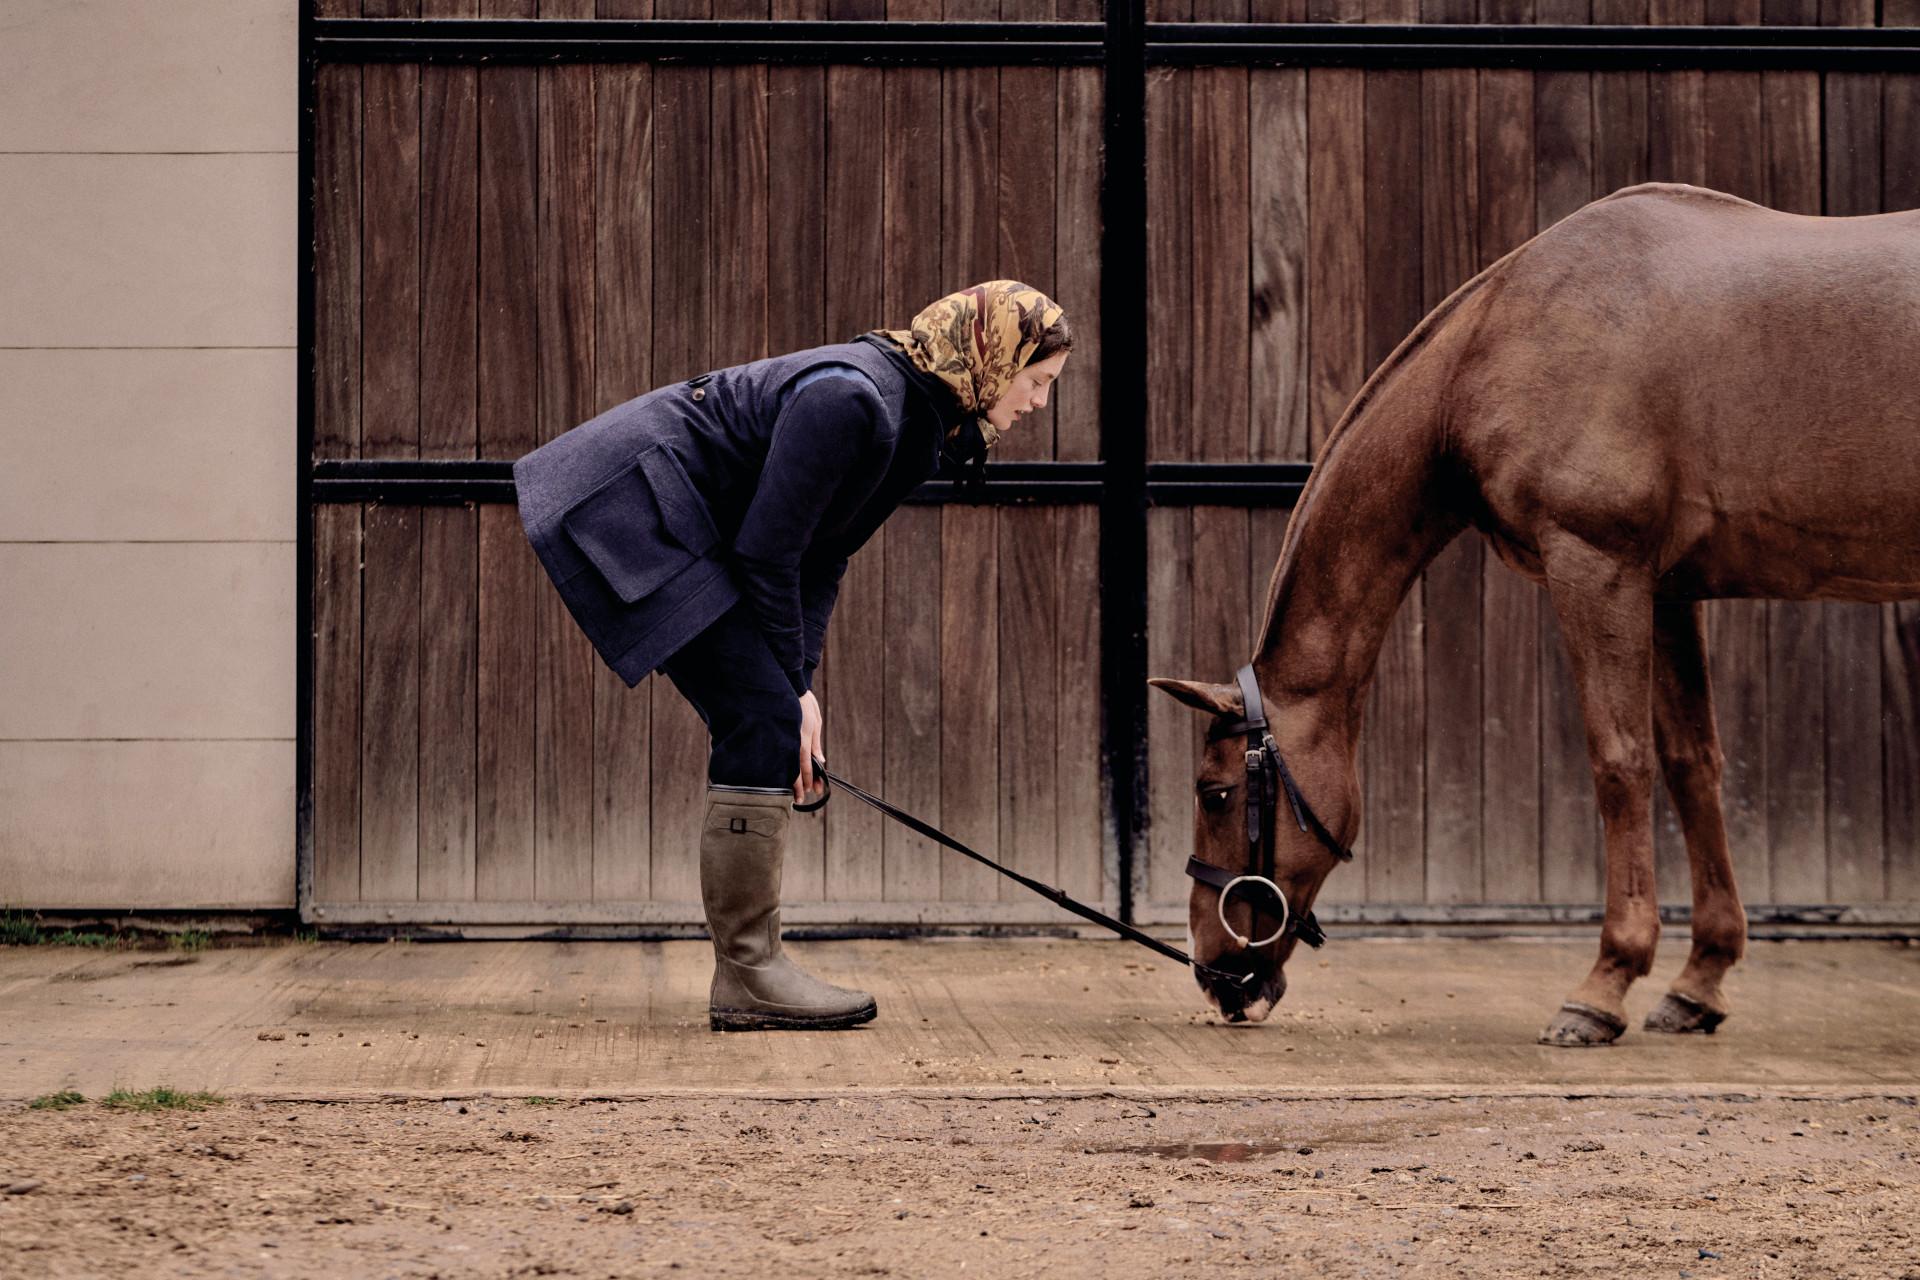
(1056, 896)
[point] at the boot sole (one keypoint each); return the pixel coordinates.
(762, 1020)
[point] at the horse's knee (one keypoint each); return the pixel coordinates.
(1693, 771)
(1622, 777)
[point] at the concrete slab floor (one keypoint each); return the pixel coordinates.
(307, 1019)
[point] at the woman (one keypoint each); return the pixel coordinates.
(702, 529)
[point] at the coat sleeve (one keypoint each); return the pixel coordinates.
(817, 439)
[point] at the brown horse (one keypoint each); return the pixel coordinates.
(1671, 396)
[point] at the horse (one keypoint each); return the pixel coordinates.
(1671, 396)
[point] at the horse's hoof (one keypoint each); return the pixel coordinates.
(1582, 1026)
(1678, 1014)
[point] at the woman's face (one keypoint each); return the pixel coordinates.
(1027, 392)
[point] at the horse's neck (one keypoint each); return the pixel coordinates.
(1369, 522)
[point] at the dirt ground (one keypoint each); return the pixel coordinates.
(881, 1184)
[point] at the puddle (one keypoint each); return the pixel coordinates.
(1218, 1152)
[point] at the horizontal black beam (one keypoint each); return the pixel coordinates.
(411, 482)
(714, 43)
(510, 42)
(1540, 48)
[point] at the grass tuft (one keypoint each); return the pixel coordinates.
(18, 929)
(60, 1101)
(191, 940)
(159, 1098)
(538, 1101)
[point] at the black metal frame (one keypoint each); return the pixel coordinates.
(1125, 484)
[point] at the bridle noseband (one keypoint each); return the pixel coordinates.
(1267, 776)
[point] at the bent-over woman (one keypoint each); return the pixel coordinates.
(701, 530)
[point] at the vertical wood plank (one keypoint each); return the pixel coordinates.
(682, 336)
(1855, 736)
(1676, 133)
(796, 204)
(622, 367)
(390, 427)
(1278, 324)
(1900, 138)
(1169, 264)
(450, 537)
(563, 782)
(1394, 753)
(336, 529)
(1029, 692)
(1336, 229)
(1079, 836)
(1796, 751)
(1171, 734)
(1077, 261)
(1737, 667)
(969, 699)
(912, 735)
(1216, 400)
(1900, 716)
(507, 411)
(1450, 255)
(1028, 163)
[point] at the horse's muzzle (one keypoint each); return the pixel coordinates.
(1252, 987)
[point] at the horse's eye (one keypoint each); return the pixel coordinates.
(1214, 800)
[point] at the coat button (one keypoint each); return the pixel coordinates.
(699, 393)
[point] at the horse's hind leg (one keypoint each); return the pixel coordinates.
(1606, 612)
(1690, 758)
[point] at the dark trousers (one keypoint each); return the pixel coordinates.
(731, 678)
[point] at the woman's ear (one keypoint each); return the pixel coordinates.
(1215, 699)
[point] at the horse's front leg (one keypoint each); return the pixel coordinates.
(1605, 605)
(1691, 761)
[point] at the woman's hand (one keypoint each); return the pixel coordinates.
(810, 727)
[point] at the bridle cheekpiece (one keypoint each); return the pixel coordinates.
(1267, 776)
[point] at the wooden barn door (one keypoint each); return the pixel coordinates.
(505, 252)
(1301, 222)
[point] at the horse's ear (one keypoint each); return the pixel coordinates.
(1215, 699)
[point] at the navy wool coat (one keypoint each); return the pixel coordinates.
(755, 482)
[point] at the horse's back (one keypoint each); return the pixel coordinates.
(1733, 386)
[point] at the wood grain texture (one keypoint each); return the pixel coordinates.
(449, 692)
(1900, 716)
(969, 699)
(336, 262)
(1080, 838)
(970, 163)
(1169, 301)
(337, 703)
(1029, 693)
(1027, 209)
(1277, 310)
(911, 735)
(741, 212)
(563, 747)
(855, 664)
(796, 207)
(1216, 399)
(1855, 795)
(1796, 751)
(1171, 731)
(1336, 231)
(1077, 260)
(506, 418)
(390, 692)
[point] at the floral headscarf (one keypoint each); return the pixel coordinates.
(976, 340)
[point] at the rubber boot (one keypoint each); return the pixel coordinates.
(755, 986)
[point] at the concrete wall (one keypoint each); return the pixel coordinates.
(148, 197)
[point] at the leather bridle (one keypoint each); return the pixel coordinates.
(1267, 776)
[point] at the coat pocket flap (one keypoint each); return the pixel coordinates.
(681, 506)
(618, 528)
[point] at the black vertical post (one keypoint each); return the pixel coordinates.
(1123, 441)
(303, 470)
